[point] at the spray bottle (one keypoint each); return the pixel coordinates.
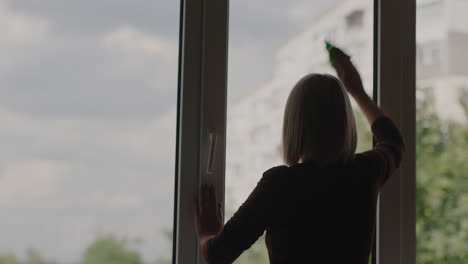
(332, 52)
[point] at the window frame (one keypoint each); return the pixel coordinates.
(201, 127)
(396, 70)
(201, 131)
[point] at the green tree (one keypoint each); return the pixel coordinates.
(34, 257)
(256, 254)
(8, 259)
(109, 249)
(442, 181)
(168, 234)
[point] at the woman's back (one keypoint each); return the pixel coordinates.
(321, 214)
(312, 214)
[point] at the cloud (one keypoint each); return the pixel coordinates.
(76, 76)
(161, 16)
(123, 72)
(131, 40)
(304, 11)
(20, 28)
(29, 180)
(116, 200)
(139, 145)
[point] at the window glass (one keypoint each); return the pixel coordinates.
(430, 10)
(269, 51)
(442, 132)
(430, 55)
(355, 19)
(87, 102)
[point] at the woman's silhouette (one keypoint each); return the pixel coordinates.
(321, 207)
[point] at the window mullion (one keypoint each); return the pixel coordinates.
(190, 90)
(396, 83)
(202, 115)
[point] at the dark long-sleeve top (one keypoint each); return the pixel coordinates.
(312, 214)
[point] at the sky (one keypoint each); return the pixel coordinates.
(87, 102)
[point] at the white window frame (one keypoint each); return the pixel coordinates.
(201, 124)
(202, 120)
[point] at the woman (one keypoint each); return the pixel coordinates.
(321, 207)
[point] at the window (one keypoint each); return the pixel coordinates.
(89, 99)
(430, 56)
(257, 94)
(203, 109)
(88, 93)
(430, 11)
(355, 19)
(442, 148)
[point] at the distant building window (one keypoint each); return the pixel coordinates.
(430, 56)
(355, 19)
(435, 54)
(429, 12)
(419, 54)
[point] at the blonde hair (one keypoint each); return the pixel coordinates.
(318, 123)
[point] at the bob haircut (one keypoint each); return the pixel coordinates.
(318, 125)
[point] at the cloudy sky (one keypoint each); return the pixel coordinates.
(87, 103)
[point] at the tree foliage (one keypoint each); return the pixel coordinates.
(109, 249)
(32, 257)
(168, 234)
(442, 181)
(8, 259)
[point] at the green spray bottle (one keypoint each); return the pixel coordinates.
(332, 52)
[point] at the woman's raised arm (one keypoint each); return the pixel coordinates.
(387, 153)
(352, 82)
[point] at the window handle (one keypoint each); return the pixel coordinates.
(212, 140)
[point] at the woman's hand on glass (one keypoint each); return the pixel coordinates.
(346, 71)
(208, 215)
